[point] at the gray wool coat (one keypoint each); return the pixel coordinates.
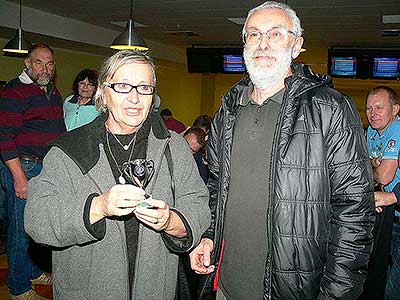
(86, 267)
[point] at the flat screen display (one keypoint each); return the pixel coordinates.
(343, 66)
(233, 63)
(388, 67)
(202, 60)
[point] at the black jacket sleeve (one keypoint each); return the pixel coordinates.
(352, 205)
(213, 152)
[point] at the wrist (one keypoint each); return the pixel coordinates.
(167, 224)
(96, 212)
(19, 176)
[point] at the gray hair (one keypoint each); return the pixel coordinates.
(276, 5)
(112, 64)
(37, 47)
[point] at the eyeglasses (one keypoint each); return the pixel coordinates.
(48, 65)
(276, 35)
(126, 88)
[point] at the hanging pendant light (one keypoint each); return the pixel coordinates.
(19, 44)
(129, 39)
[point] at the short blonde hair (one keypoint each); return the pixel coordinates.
(112, 64)
(392, 95)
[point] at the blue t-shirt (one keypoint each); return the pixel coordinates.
(386, 146)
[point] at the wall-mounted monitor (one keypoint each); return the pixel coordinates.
(233, 63)
(202, 60)
(345, 66)
(347, 63)
(215, 60)
(364, 63)
(386, 67)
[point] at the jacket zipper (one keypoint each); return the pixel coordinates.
(271, 178)
(220, 175)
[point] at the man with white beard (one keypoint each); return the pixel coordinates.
(291, 188)
(31, 116)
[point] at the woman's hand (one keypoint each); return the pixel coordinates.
(157, 217)
(160, 218)
(120, 200)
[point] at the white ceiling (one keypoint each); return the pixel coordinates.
(326, 22)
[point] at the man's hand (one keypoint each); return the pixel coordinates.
(375, 162)
(384, 199)
(200, 257)
(19, 177)
(21, 186)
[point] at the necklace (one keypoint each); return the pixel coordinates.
(121, 179)
(126, 147)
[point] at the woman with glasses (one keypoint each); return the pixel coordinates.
(79, 108)
(120, 211)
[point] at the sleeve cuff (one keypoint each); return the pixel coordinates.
(175, 244)
(9, 155)
(98, 229)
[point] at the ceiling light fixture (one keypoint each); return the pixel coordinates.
(19, 44)
(129, 39)
(390, 19)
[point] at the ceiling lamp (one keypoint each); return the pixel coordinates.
(19, 44)
(129, 39)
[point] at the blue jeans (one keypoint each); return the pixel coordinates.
(21, 268)
(392, 291)
(3, 208)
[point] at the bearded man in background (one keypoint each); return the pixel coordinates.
(31, 116)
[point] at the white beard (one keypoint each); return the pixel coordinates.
(263, 76)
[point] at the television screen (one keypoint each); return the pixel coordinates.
(202, 60)
(343, 66)
(233, 63)
(388, 67)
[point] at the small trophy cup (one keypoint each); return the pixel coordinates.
(139, 173)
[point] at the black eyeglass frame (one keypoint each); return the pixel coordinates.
(112, 86)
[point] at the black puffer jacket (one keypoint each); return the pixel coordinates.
(321, 209)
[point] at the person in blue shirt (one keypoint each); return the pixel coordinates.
(383, 138)
(79, 108)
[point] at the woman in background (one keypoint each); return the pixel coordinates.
(79, 108)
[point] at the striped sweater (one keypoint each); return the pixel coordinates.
(29, 118)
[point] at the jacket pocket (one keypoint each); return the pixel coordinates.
(71, 267)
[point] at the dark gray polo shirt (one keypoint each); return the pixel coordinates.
(245, 232)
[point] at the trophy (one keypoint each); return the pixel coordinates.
(139, 173)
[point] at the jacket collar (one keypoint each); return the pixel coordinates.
(24, 78)
(82, 144)
(302, 80)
